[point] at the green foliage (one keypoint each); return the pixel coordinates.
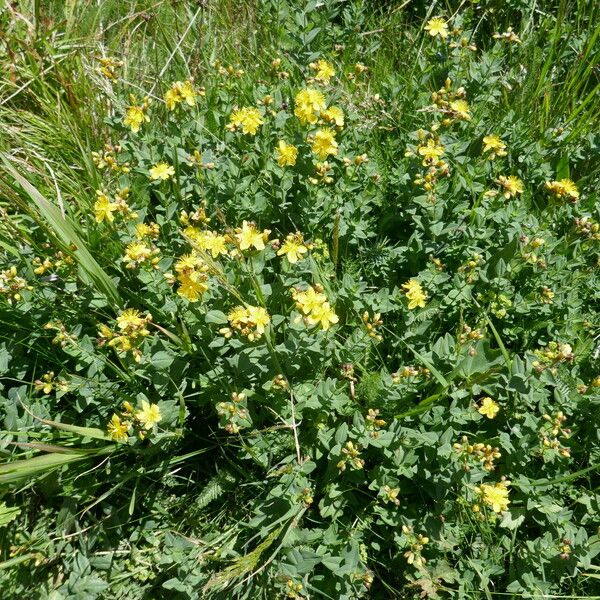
(361, 364)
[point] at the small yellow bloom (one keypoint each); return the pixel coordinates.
(494, 145)
(512, 186)
(308, 105)
(248, 119)
(495, 496)
(149, 415)
(130, 319)
(437, 26)
(325, 70)
(286, 154)
(104, 208)
(181, 91)
(118, 430)
(334, 115)
(461, 109)
(564, 188)
(248, 237)
(432, 151)
(136, 116)
(323, 315)
(415, 294)
(250, 321)
(293, 248)
(324, 144)
(488, 408)
(309, 300)
(162, 171)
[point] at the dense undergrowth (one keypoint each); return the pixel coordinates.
(299, 299)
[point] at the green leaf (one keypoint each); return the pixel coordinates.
(8, 514)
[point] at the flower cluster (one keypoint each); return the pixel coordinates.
(481, 453)
(63, 337)
(553, 354)
(551, 433)
(351, 456)
(130, 333)
(11, 285)
(107, 158)
(248, 119)
(493, 496)
(234, 415)
(372, 324)
(588, 227)
(180, 91)
(411, 373)
(452, 104)
(48, 383)
(414, 294)
(414, 543)
(137, 114)
(192, 276)
(563, 189)
(314, 307)
(143, 420)
(104, 207)
(249, 321)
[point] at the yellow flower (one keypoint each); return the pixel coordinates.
(181, 91)
(250, 321)
(324, 144)
(139, 252)
(260, 317)
(325, 70)
(188, 94)
(293, 248)
(130, 319)
(315, 307)
(192, 287)
(147, 230)
(323, 315)
(192, 277)
(104, 208)
(334, 115)
(563, 188)
(135, 117)
(149, 415)
(248, 236)
(488, 408)
(437, 26)
(432, 151)
(309, 300)
(308, 104)
(172, 99)
(286, 154)
(461, 109)
(118, 430)
(209, 241)
(162, 171)
(512, 186)
(248, 119)
(495, 496)
(415, 294)
(494, 145)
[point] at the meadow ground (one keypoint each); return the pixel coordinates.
(299, 299)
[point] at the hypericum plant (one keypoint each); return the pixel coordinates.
(317, 343)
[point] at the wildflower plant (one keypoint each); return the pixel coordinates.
(312, 326)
